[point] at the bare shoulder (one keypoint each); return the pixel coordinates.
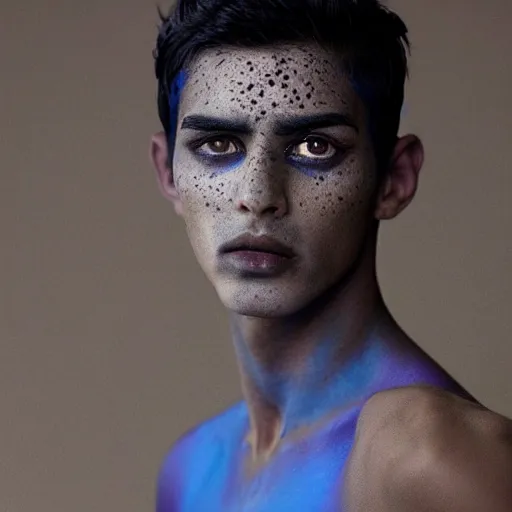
(433, 403)
(190, 461)
(431, 446)
(435, 412)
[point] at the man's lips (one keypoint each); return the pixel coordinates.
(257, 244)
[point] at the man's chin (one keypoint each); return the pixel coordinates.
(259, 306)
(253, 311)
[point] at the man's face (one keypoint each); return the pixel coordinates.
(248, 161)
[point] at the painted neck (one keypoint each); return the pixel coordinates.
(296, 371)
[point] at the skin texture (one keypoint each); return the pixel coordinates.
(424, 450)
(315, 341)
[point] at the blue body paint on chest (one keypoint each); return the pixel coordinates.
(303, 475)
(306, 476)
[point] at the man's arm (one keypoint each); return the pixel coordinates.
(422, 449)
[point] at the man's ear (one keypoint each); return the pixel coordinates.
(401, 181)
(159, 155)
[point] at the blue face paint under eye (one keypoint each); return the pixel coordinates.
(229, 166)
(221, 163)
(311, 167)
(311, 171)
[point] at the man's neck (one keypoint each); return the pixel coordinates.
(296, 371)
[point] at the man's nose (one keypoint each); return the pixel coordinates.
(262, 192)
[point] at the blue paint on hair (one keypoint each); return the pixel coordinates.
(366, 92)
(175, 91)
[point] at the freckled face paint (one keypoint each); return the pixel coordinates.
(311, 190)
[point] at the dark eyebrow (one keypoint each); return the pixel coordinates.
(296, 124)
(288, 126)
(212, 124)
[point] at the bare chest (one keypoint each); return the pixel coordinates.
(304, 476)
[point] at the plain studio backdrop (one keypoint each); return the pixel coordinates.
(112, 341)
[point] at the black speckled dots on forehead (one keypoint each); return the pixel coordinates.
(260, 82)
(286, 79)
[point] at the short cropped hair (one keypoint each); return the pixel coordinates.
(371, 40)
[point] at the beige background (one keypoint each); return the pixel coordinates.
(112, 342)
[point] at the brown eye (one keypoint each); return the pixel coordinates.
(315, 147)
(219, 147)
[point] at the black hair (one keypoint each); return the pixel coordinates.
(371, 40)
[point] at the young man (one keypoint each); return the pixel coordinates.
(280, 152)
